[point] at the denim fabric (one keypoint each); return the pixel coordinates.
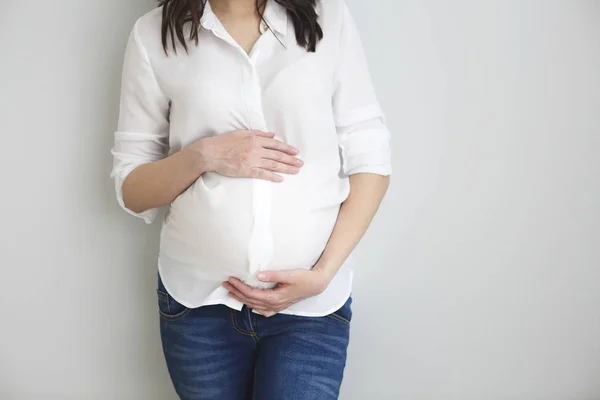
(217, 353)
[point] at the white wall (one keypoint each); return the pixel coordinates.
(479, 280)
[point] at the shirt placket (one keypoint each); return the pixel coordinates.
(260, 246)
(260, 249)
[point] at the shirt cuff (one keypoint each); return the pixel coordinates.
(367, 151)
(149, 215)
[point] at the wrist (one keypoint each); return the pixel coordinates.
(325, 274)
(200, 151)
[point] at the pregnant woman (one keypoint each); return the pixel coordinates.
(257, 124)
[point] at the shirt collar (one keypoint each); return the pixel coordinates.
(209, 18)
(275, 15)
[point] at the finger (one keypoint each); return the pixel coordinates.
(272, 165)
(250, 304)
(270, 311)
(268, 135)
(266, 296)
(233, 290)
(245, 290)
(268, 314)
(282, 158)
(236, 294)
(278, 145)
(277, 276)
(266, 175)
(265, 313)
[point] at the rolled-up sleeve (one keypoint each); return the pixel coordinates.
(363, 136)
(143, 128)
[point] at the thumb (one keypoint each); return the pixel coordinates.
(276, 276)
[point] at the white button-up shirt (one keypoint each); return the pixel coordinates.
(322, 103)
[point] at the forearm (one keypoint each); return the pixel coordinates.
(237, 154)
(356, 213)
(158, 183)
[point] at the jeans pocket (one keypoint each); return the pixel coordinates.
(344, 314)
(169, 308)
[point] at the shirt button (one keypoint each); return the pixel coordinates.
(263, 27)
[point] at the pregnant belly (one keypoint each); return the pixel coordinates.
(209, 227)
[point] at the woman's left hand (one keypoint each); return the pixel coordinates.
(292, 286)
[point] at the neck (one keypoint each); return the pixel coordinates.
(237, 6)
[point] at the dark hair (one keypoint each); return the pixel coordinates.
(177, 13)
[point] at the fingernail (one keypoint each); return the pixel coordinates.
(261, 275)
(299, 162)
(279, 178)
(296, 150)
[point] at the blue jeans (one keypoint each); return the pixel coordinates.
(217, 353)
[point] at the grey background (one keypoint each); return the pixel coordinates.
(479, 279)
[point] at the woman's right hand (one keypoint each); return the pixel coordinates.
(248, 154)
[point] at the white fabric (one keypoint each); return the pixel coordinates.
(322, 103)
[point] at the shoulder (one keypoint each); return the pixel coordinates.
(332, 14)
(150, 22)
(147, 30)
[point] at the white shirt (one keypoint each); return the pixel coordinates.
(322, 103)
